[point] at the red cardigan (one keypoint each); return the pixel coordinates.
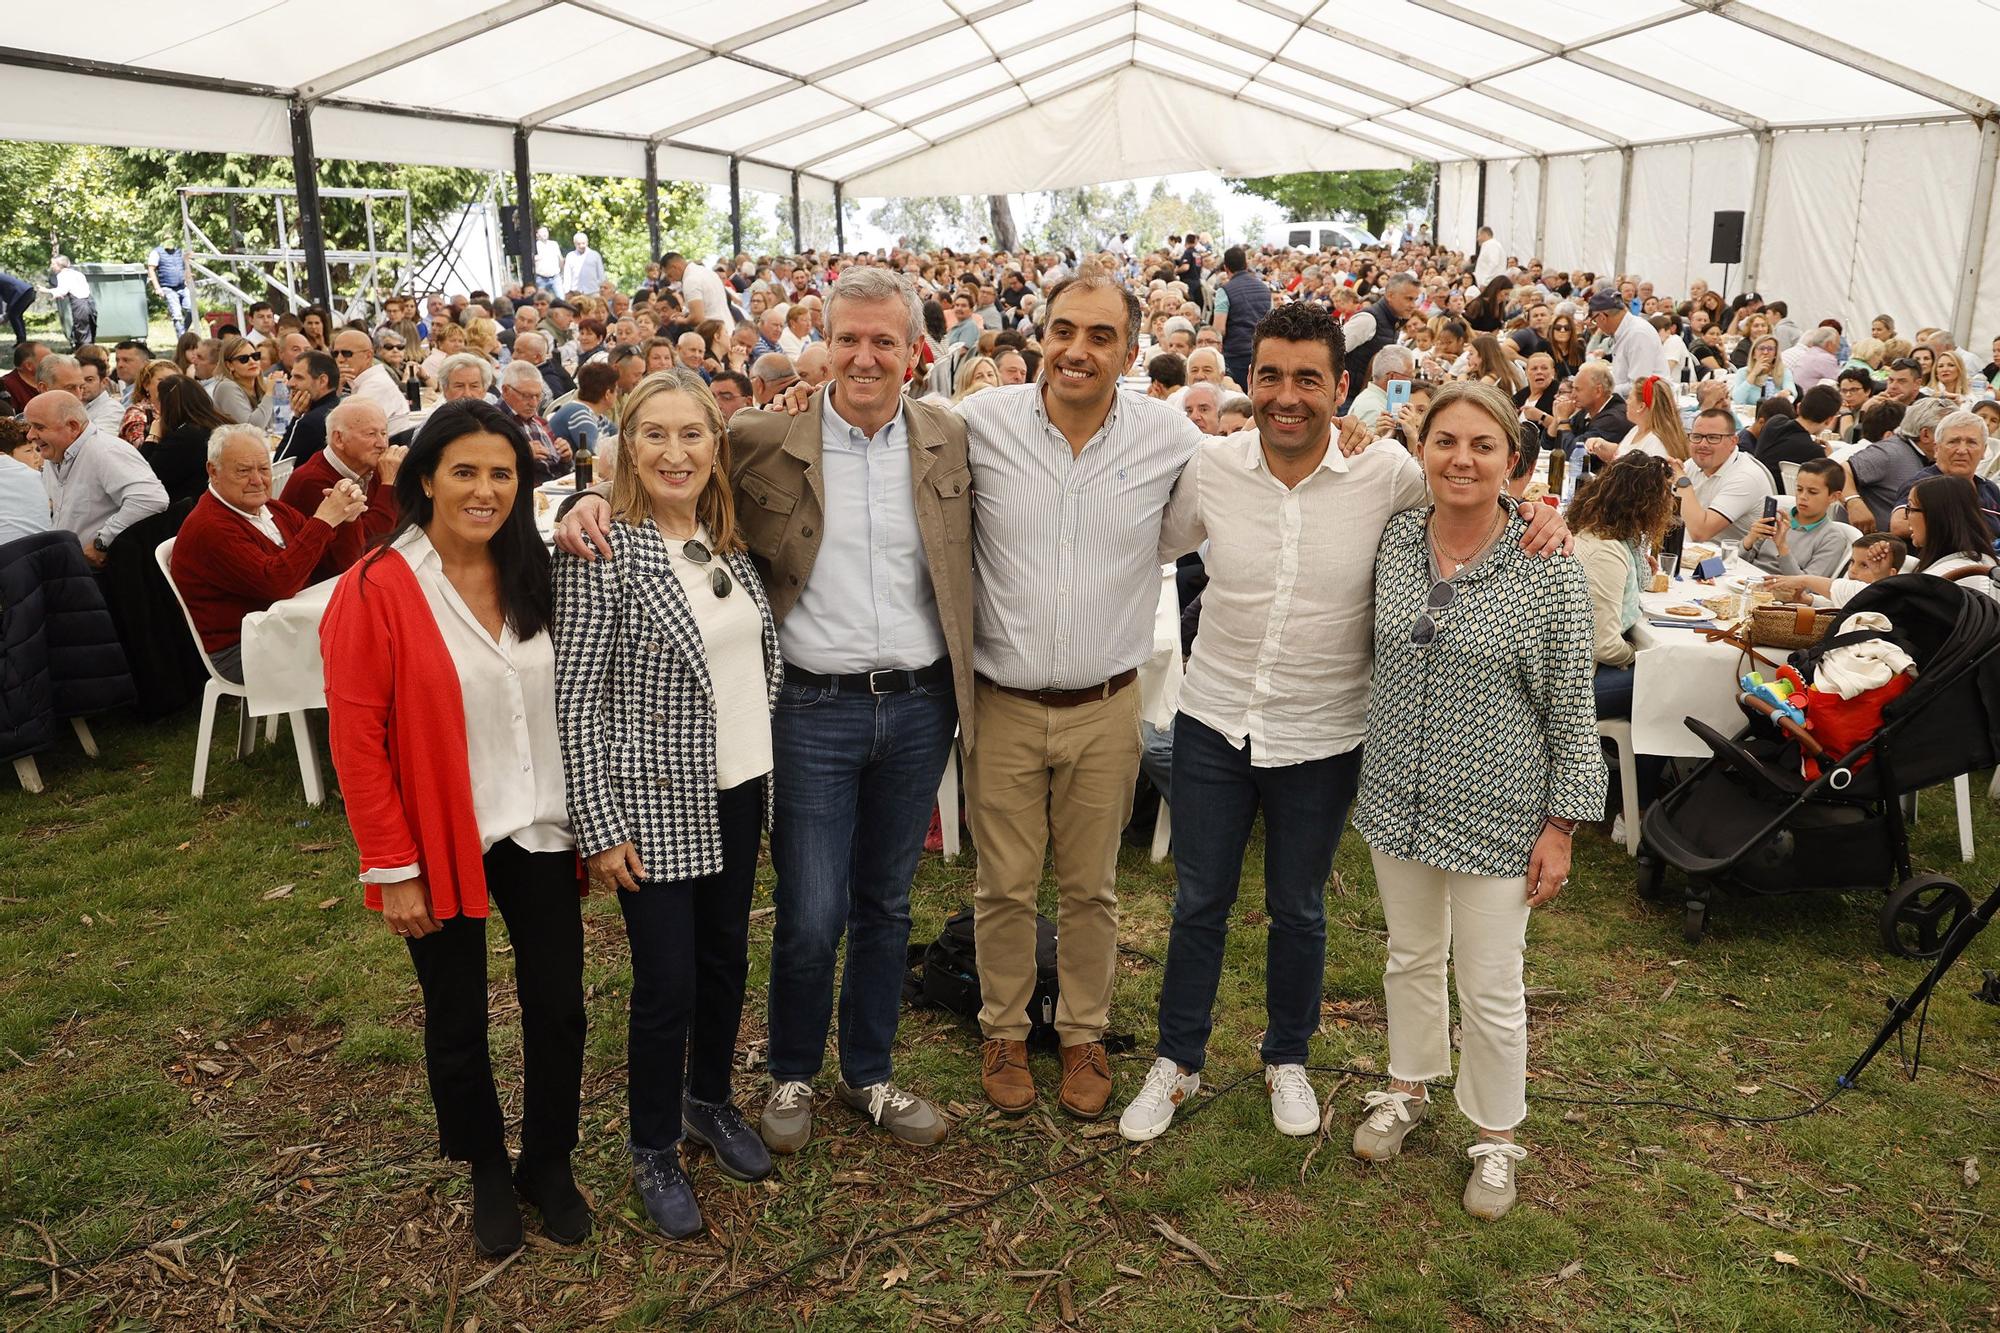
(397, 724)
(226, 569)
(308, 485)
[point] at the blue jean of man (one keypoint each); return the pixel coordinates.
(1216, 796)
(859, 774)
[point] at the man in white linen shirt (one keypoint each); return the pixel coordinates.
(369, 381)
(701, 291)
(1275, 702)
(97, 484)
(1490, 261)
(1635, 344)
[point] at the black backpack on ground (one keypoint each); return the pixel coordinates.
(944, 974)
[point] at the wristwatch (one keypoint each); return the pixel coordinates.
(1683, 484)
(97, 542)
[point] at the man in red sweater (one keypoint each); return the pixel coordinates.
(357, 450)
(239, 550)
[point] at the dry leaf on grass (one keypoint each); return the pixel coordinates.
(895, 1275)
(1207, 1260)
(327, 903)
(282, 891)
(1969, 1169)
(1783, 1257)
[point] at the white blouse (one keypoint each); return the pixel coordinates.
(509, 693)
(732, 633)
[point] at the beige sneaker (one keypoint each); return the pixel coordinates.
(1391, 1116)
(1490, 1192)
(906, 1117)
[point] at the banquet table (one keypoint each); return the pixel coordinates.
(1680, 672)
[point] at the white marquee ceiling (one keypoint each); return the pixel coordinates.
(880, 92)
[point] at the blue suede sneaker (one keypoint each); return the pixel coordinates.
(665, 1188)
(739, 1152)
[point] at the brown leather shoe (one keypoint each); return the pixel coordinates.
(1086, 1080)
(1003, 1072)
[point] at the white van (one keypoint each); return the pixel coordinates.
(1326, 234)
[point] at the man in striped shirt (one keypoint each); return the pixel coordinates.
(1070, 482)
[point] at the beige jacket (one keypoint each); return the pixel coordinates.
(781, 504)
(1605, 566)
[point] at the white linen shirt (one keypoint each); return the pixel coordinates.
(101, 487)
(1636, 353)
(1065, 546)
(24, 502)
(376, 385)
(1286, 647)
(868, 604)
(509, 693)
(701, 284)
(1735, 490)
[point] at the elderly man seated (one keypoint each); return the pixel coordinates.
(1392, 363)
(463, 375)
(366, 379)
(240, 550)
(1958, 449)
(770, 375)
(815, 365)
(357, 450)
(1202, 402)
(97, 485)
(521, 388)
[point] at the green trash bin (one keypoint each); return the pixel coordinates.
(123, 310)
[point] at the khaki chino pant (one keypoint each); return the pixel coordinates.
(1039, 775)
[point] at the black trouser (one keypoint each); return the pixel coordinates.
(82, 320)
(536, 893)
(690, 955)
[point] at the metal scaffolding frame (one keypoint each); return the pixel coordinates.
(287, 266)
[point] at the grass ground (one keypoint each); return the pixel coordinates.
(212, 1112)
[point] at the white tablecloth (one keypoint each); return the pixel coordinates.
(1160, 677)
(1680, 673)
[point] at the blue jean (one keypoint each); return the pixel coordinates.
(180, 307)
(857, 775)
(1612, 687)
(1217, 794)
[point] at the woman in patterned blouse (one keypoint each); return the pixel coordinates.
(1481, 758)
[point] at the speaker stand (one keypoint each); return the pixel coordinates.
(1725, 282)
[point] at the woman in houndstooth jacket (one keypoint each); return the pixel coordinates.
(667, 667)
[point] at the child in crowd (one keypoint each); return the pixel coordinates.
(1876, 556)
(1808, 542)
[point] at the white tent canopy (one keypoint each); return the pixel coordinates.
(1611, 130)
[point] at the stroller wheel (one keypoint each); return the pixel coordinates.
(1651, 875)
(1695, 924)
(1920, 915)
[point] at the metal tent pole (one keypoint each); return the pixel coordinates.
(1760, 198)
(653, 200)
(798, 228)
(735, 212)
(1624, 213)
(839, 218)
(1972, 262)
(305, 178)
(524, 200)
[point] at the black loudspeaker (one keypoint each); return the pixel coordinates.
(1725, 246)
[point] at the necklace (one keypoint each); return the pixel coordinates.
(1456, 562)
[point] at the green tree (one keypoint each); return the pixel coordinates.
(1083, 219)
(612, 211)
(928, 221)
(1168, 214)
(1376, 196)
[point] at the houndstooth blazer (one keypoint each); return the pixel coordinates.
(635, 707)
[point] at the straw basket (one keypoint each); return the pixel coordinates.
(1783, 625)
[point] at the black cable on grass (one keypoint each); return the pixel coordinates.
(777, 1276)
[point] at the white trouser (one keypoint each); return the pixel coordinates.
(1483, 920)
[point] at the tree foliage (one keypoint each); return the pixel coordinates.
(927, 222)
(1374, 196)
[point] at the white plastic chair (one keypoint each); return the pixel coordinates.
(1790, 472)
(1961, 798)
(246, 725)
(281, 472)
(1163, 831)
(947, 801)
(1618, 731)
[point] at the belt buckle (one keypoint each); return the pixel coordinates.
(873, 676)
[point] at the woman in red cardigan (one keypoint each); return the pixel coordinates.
(445, 621)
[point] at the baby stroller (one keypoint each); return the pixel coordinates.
(1747, 821)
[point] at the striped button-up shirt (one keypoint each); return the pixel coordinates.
(1066, 546)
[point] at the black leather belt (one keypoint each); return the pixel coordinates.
(890, 680)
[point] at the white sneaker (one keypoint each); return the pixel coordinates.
(1391, 1116)
(1490, 1192)
(1147, 1116)
(1294, 1104)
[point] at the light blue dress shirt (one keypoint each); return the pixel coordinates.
(24, 503)
(868, 603)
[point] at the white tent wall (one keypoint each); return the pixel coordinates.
(51, 107)
(1513, 193)
(1458, 205)
(1866, 222)
(1676, 191)
(1986, 303)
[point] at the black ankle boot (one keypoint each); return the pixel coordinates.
(496, 1217)
(548, 1184)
